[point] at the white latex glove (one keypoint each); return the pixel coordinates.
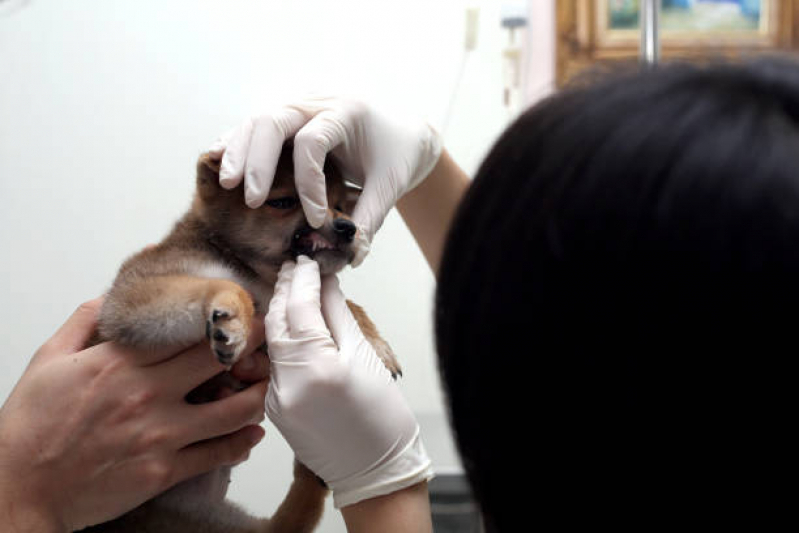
(331, 396)
(387, 157)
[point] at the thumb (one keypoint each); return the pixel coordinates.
(303, 309)
(79, 328)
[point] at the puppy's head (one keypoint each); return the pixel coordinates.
(278, 231)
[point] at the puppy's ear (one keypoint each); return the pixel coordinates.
(208, 177)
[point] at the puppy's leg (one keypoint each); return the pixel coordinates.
(178, 310)
(384, 351)
(303, 506)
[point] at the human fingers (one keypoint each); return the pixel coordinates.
(234, 158)
(187, 370)
(78, 329)
(337, 314)
(192, 367)
(372, 206)
(253, 366)
(269, 133)
(217, 149)
(207, 455)
(312, 144)
(223, 416)
(275, 323)
(303, 309)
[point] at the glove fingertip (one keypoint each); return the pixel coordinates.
(254, 202)
(216, 151)
(316, 219)
(286, 268)
(227, 174)
(315, 213)
(361, 248)
(227, 182)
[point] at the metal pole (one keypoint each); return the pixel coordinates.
(650, 32)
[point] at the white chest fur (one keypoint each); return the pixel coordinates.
(260, 291)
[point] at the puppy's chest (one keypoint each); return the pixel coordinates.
(260, 289)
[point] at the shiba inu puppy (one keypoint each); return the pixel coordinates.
(206, 280)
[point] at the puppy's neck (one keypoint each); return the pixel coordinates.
(230, 256)
(257, 274)
(239, 263)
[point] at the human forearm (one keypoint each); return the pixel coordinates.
(429, 208)
(404, 511)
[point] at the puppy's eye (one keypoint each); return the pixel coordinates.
(338, 208)
(286, 202)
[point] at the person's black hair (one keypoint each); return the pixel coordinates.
(615, 306)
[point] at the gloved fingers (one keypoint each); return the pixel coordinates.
(376, 199)
(276, 323)
(361, 246)
(231, 169)
(312, 143)
(303, 309)
(346, 331)
(269, 133)
(343, 327)
(217, 149)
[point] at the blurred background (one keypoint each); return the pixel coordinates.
(105, 107)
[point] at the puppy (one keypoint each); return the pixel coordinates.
(206, 280)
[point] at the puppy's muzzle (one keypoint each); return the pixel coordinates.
(334, 238)
(344, 229)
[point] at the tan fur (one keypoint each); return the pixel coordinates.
(369, 330)
(207, 279)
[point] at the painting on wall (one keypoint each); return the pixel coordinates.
(598, 32)
(686, 16)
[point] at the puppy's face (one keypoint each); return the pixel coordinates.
(277, 231)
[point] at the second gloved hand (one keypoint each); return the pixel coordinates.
(331, 396)
(387, 156)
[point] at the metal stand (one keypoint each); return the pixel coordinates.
(650, 32)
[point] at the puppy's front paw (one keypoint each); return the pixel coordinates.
(228, 324)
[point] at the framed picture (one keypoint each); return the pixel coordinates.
(598, 32)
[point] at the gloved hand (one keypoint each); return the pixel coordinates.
(331, 396)
(386, 157)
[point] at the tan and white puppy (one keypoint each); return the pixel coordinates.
(206, 280)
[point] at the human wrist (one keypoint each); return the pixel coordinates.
(19, 516)
(406, 510)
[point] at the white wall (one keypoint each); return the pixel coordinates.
(105, 105)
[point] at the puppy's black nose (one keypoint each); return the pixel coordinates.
(344, 228)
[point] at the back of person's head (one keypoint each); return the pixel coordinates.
(615, 303)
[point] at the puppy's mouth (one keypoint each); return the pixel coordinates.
(310, 242)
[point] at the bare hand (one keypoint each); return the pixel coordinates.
(87, 435)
